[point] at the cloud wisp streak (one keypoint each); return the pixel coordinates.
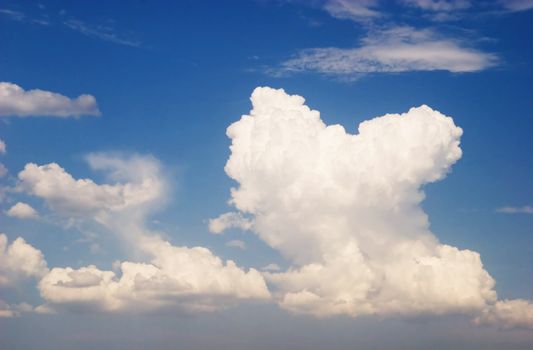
(101, 32)
(395, 50)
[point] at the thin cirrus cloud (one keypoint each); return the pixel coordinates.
(359, 11)
(17, 102)
(526, 209)
(354, 199)
(395, 50)
(517, 5)
(101, 32)
(172, 278)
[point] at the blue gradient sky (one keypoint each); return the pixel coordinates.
(169, 78)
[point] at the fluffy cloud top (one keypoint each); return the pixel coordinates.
(22, 211)
(398, 49)
(345, 209)
(19, 260)
(190, 279)
(15, 101)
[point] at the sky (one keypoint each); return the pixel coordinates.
(266, 174)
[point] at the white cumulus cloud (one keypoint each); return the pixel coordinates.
(22, 211)
(17, 102)
(19, 260)
(398, 49)
(508, 314)
(3, 149)
(171, 277)
(344, 209)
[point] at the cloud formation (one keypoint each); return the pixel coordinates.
(101, 32)
(19, 260)
(344, 209)
(22, 211)
(17, 102)
(526, 209)
(398, 49)
(359, 10)
(227, 221)
(3, 148)
(173, 278)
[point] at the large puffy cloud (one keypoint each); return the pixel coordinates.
(19, 260)
(190, 279)
(397, 49)
(345, 210)
(15, 101)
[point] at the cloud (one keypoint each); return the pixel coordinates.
(271, 267)
(227, 221)
(526, 209)
(236, 243)
(399, 49)
(170, 277)
(138, 184)
(15, 101)
(3, 149)
(189, 279)
(22, 211)
(101, 32)
(508, 314)
(19, 260)
(517, 5)
(439, 5)
(355, 10)
(3, 172)
(344, 210)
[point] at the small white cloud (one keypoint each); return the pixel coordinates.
(398, 49)
(2, 147)
(3, 171)
(526, 209)
(22, 211)
(271, 267)
(236, 244)
(227, 221)
(15, 101)
(355, 10)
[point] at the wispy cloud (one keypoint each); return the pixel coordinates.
(526, 209)
(517, 5)
(101, 32)
(22, 17)
(359, 10)
(397, 49)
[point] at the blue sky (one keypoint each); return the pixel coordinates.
(160, 85)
